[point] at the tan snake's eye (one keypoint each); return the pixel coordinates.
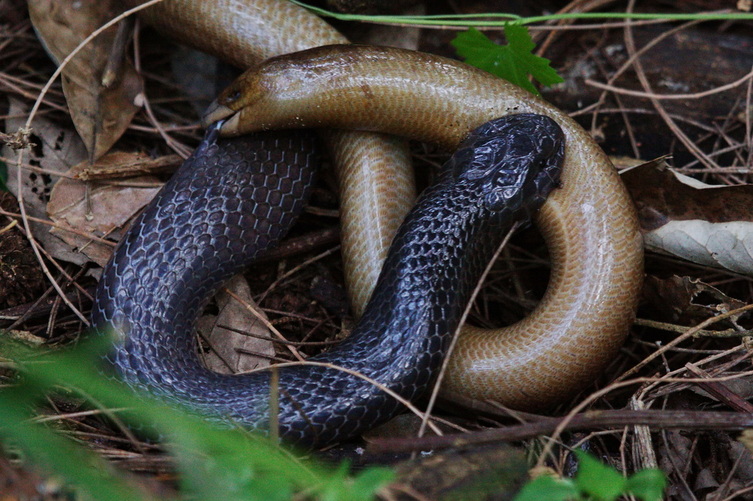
(232, 95)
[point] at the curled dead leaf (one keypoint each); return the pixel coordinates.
(100, 86)
(682, 217)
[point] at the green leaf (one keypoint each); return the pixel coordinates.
(513, 62)
(369, 482)
(93, 476)
(547, 488)
(216, 463)
(597, 479)
(647, 485)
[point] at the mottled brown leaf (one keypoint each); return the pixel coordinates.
(98, 209)
(101, 87)
(55, 150)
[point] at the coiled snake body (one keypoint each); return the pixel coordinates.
(590, 225)
(222, 209)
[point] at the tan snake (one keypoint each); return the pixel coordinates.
(590, 225)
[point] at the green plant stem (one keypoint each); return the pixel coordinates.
(487, 19)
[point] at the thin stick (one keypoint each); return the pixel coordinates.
(469, 306)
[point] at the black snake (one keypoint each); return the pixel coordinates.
(235, 198)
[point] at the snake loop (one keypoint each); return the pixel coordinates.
(233, 199)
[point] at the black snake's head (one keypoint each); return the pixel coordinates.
(517, 159)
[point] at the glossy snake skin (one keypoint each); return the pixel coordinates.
(233, 199)
(590, 224)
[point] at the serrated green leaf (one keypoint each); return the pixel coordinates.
(597, 479)
(546, 488)
(513, 62)
(647, 485)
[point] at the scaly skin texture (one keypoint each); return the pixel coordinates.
(590, 224)
(374, 171)
(234, 198)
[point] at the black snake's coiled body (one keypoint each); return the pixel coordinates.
(213, 217)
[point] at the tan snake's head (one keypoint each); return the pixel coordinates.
(231, 106)
(270, 96)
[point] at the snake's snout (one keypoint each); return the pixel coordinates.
(216, 112)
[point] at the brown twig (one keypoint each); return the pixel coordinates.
(689, 420)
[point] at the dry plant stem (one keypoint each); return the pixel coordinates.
(75, 415)
(655, 393)
(687, 335)
(672, 459)
(39, 170)
(295, 270)
(643, 443)
(67, 276)
(32, 241)
(281, 341)
(113, 416)
(274, 405)
(9, 226)
(631, 60)
(182, 150)
(623, 114)
(666, 97)
(604, 391)
(212, 348)
(664, 326)
(468, 307)
(37, 250)
(732, 471)
(258, 354)
(80, 233)
(748, 127)
(687, 420)
(720, 391)
(6, 80)
(300, 245)
(564, 24)
(684, 139)
(738, 494)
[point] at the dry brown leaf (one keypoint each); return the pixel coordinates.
(687, 301)
(55, 151)
(101, 87)
(98, 209)
(705, 224)
(232, 351)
